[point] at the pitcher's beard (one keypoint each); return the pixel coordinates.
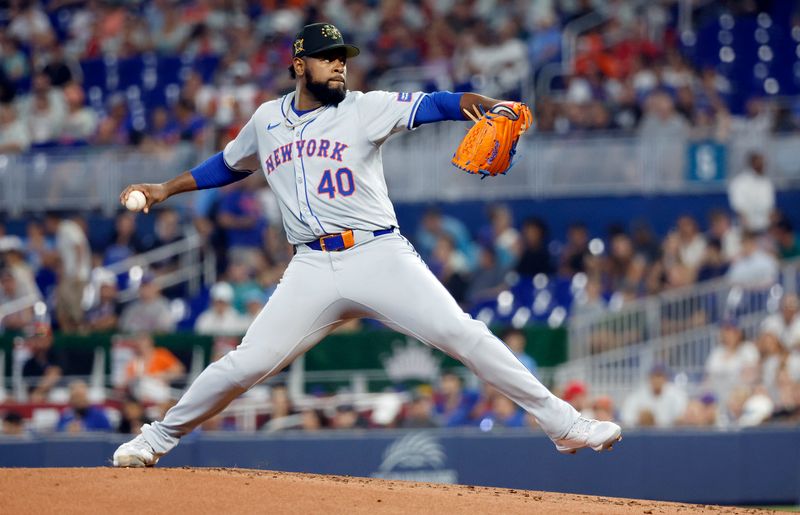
(325, 94)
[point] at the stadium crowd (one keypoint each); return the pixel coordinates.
(745, 384)
(156, 72)
(63, 82)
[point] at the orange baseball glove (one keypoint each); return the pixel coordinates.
(490, 144)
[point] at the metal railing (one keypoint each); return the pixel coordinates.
(417, 168)
(614, 352)
(194, 266)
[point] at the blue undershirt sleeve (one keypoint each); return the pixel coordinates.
(438, 107)
(214, 172)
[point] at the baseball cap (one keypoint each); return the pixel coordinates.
(319, 37)
(573, 389)
(222, 292)
(11, 244)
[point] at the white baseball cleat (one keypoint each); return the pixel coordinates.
(585, 432)
(136, 453)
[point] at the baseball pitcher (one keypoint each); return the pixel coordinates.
(320, 149)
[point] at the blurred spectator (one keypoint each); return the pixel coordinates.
(239, 276)
(104, 314)
(421, 410)
(752, 195)
(125, 243)
(150, 312)
(346, 417)
(785, 238)
(488, 280)
(576, 250)
(73, 249)
(12, 254)
(10, 292)
(661, 122)
(516, 341)
(44, 369)
(115, 127)
(603, 409)
(590, 301)
(81, 415)
(152, 369)
(785, 325)
(700, 412)
(714, 264)
(14, 137)
(722, 230)
(29, 23)
(281, 409)
(81, 122)
(45, 111)
(254, 302)
(450, 267)
(502, 412)
(13, 424)
(133, 417)
(503, 235)
(311, 420)
(732, 361)
(15, 65)
(576, 393)
(691, 242)
(535, 258)
(754, 267)
(658, 403)
(221, 318)
(242, 222)
(453, 403)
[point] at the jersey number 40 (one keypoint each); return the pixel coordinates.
(345, 185)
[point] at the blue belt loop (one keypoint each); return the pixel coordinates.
(335, 242)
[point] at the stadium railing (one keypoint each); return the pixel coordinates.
(546, 166)
(614, 351)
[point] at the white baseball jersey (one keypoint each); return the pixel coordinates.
(325, 166)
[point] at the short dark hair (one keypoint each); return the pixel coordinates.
(292, 73)
(510, 331)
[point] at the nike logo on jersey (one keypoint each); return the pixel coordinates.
(272, 126)
(304, 148)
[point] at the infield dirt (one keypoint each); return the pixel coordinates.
(174, 491)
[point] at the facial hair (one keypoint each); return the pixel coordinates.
(327, 95)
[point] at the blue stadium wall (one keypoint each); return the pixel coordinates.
(659, 212)
(758, 466)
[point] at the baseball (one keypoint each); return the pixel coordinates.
(135, 201)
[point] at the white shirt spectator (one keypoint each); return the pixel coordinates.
(692, 253)
(73, 247)
(724, 369)
(13, 132)
(752, 196)
(221, 319)
(756, 269)
(787, 333)
(666, 408)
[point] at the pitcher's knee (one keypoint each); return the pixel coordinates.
(246, 369)
(460, 337)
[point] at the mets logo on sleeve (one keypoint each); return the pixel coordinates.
(404, 97)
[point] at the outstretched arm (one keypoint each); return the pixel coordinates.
(212, 173)
(444, 105)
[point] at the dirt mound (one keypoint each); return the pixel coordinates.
(199, 490)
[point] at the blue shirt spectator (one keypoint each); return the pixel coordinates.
(82, 416)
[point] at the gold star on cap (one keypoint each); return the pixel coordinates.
(331, 32)
(298, 46)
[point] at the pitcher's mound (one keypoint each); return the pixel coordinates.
(168, 491)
